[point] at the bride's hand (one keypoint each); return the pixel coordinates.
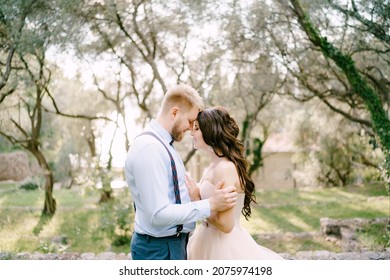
(193, 189)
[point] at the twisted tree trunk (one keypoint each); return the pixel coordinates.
(50, 204)
(371, 99)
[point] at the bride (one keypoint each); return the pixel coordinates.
(221, 236)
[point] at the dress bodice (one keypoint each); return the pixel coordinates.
(206, 190)
(210, 243)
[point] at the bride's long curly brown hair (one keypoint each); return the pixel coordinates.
(220, 131)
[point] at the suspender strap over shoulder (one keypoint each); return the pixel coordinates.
(174, 173)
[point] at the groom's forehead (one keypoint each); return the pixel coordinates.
(193, 114)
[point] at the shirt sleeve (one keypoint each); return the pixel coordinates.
(152, 174)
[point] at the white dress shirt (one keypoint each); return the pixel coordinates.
(149, 175)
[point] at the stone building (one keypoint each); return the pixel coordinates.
(276, 172)
(14, 166)
(278, 167)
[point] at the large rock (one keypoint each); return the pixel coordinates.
(343, 232)
(14, 166)
(345, 228)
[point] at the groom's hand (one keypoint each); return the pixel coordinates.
(223, 198)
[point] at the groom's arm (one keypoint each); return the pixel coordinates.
(153, 199)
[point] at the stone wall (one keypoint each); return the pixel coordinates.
(14, 166)
(303, 255)
(276, 172)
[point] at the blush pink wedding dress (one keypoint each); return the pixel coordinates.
(209, 243)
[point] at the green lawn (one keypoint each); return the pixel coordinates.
(300, 210)
(295, 211)
(82, 225)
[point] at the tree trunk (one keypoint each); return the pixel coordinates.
(381, 123)
(50, 203)
(253, 149)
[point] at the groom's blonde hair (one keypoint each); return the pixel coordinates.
(182, 96)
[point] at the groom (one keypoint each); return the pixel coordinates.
(155, 173)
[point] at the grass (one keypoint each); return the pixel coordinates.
(300, 210)
(297, 211)
(374, 236)
(82, 225)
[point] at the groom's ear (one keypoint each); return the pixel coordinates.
(175, 111)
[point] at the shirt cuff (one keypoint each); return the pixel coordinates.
(204, 208)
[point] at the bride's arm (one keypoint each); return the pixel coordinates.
(224, 220)
(193, 188)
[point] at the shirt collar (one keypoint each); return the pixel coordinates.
(164, 134)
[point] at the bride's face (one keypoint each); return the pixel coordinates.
(198, 137)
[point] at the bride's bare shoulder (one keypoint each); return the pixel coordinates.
(225, 165)
(226, 169)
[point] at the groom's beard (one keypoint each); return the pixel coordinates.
(177, 134)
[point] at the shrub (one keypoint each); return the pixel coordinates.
(29, 186)
(6, 255)
(116, 220)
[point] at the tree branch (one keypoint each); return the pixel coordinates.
(372, 27)
(76, 116)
